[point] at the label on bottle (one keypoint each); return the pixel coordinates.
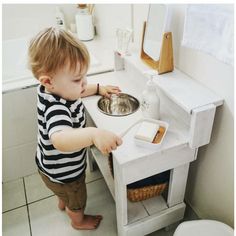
(144, 105)
(150, 109)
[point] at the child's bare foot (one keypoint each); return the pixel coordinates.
(89, 222)
(61, 205)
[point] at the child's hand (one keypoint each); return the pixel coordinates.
(106, 141)
(108, 90)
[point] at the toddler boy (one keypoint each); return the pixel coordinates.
(60, 63)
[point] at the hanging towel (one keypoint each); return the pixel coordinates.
(210, 28)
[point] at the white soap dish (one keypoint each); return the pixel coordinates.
(157, 142)
(147, 131)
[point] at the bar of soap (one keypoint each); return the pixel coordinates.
(147, 131)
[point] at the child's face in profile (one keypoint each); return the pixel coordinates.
(69, 84)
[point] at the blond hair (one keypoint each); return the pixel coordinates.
(51, 49)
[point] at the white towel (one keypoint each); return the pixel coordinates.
(210, 28)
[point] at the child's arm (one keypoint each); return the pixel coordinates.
(73, 139)
(106, 91)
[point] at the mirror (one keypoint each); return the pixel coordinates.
(155, 27)
(157, 40)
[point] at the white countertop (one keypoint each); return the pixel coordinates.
(128, 151)
(179, 87)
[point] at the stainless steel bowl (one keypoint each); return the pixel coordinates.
(118, 105)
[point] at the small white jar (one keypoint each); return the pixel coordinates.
(84, 26)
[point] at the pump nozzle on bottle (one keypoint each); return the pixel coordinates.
(150, 73)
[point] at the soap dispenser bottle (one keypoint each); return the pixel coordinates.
(60, 20)
(150, 102)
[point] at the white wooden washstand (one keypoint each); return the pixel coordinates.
(189, 108)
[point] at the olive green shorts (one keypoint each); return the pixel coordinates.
(73, 194)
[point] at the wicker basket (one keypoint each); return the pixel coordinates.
(141, 193)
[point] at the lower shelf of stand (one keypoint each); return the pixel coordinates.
(136, 210)
(104, 168)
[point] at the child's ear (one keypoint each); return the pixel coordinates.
(46, 81)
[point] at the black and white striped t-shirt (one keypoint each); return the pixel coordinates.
(54, 114)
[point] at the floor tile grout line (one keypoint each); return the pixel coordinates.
(26, 199)
(95, 180)
(14, 209)
(27, 207)
(29, 203)
(41, 199)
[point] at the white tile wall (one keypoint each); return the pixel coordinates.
(18, 161)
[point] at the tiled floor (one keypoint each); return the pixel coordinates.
(30, 209)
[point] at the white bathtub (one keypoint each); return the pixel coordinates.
(15, 72)
(18, 111)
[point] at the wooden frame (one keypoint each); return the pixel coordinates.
(166, 62)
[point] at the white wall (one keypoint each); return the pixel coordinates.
(140, 15)
(210, 189)
(210, 184)
(108, 17)
(20, 20)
